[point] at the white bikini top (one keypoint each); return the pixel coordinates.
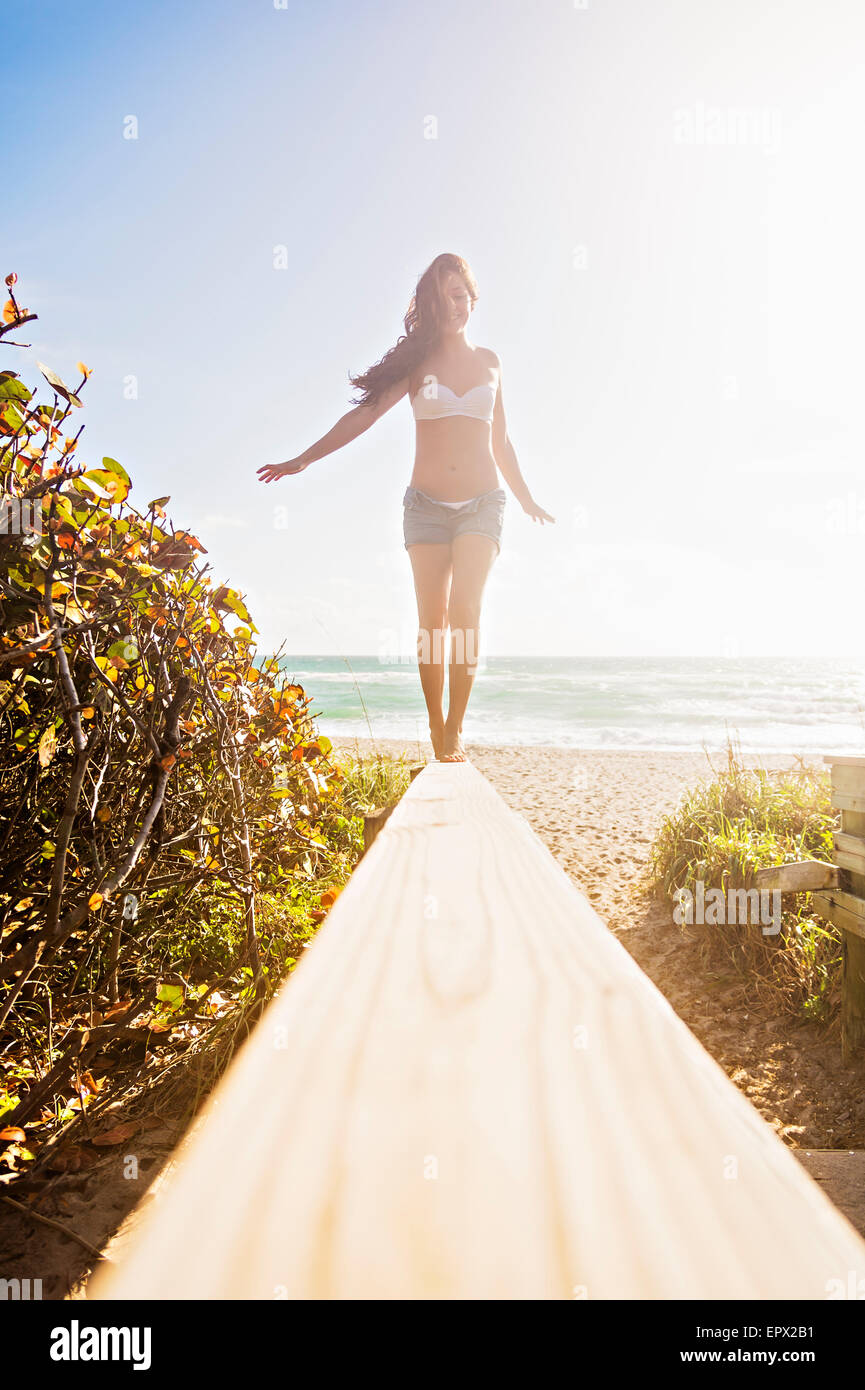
(435, 401)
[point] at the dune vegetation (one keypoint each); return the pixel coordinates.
(172, 827)
(740, 820)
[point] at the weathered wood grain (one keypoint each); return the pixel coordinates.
(853, 973)
(843, 909)
(803, 877)
(849, 851)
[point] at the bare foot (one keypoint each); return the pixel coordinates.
(437, 736)
(452, 747)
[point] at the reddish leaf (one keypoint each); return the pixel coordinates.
(72, 1160)
(119, 1008)
(118, 1135)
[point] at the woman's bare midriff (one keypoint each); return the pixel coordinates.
(454, 459)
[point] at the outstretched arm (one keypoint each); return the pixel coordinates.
(506, 462)
(347, 428)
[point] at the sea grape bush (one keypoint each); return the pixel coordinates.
(152, 767)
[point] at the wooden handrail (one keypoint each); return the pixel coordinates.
(804, 877)
(468, 1089)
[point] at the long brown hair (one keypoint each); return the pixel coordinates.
(426, 314)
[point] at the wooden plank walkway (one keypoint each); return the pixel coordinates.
(468, 1089)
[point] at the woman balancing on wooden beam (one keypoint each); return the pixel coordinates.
(452, 508)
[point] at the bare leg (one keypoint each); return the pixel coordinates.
(431, 566)
(473, 557)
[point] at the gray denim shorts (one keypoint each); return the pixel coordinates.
(426, 521)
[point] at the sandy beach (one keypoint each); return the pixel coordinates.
(598, 813)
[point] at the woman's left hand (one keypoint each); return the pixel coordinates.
(537, 513)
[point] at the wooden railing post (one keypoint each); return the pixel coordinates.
(846, 907)
(853, 984)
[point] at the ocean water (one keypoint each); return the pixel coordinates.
(791, 705)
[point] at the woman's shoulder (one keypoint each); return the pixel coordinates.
(489, 356)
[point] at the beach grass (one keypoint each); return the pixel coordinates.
(373, 780)
(740, 819)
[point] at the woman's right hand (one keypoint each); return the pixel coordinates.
(271, 471)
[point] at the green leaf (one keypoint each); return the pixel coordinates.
(125, 649)
(13, 389)
(114, 467)
(172, 995)
(116, 487)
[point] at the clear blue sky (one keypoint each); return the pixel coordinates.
(662, 204)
